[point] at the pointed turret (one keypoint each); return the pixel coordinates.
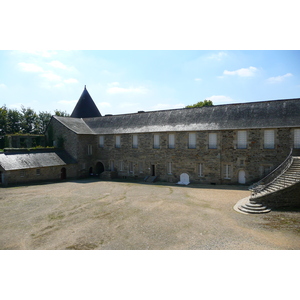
(85, 107)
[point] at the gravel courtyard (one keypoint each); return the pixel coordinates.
(91, 214)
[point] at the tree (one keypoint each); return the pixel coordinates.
(13, 121)
(26, 121)
(61, 113)
(29, 120)
(201, 104)
(43, 120)
(3, 120)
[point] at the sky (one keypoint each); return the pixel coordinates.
(126, 81)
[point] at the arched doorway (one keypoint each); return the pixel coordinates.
(63, 173)
(242, 177)
(99, 168)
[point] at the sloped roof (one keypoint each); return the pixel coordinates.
(264, 114)
(29, 160)
(74, 124)
(85, 107)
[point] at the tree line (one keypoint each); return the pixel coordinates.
(25, 121)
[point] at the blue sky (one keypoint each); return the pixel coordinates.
(128, 81)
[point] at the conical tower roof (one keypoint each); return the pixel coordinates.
(85, 107)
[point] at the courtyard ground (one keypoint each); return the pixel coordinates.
(92, 214)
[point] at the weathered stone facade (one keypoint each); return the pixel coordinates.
(223, 144)
(220, 165)
(37, 174)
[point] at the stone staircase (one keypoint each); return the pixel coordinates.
(251, 207)
(150, 178)
(287, 174)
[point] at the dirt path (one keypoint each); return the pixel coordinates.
(89, 214)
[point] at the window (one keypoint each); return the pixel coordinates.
(22, 173)
(171, 141)
(38, 172)
(141, 167)
(192, 140)
(212, 141)
(90, 149)
(112, 165)
(269, 139)
(169, 170)
(242, 139)
(200, 170)
(297, 138)
(118, 141)
(156, 141)
(121, 166)
(135, 141)
(131, 167)
(227, 171)
(101, 141)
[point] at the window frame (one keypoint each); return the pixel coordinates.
(118, 141)
(227, 171)
(200, 170)
(296, 139)
(169, 168)
(90, 149)
(171, 141)
(192, 140)
(267, 136)
(135, 141)
(241, 139)
(156, 141)
(101, 141)
(212, 142)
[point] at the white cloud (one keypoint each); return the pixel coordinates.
(243, 72)
(221, 99)
(279, 78)
(71, 80)
(28, 67)
(198, 79)
(218, 56)
(2, 86)
(57, 64)
(119, 90)
(51, 76)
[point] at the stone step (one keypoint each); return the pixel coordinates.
(254, 208)
(250, 211)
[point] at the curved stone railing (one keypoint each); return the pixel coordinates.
(271, 177)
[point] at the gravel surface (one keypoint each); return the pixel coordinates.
(91, 214)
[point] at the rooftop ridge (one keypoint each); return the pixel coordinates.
(190, 108)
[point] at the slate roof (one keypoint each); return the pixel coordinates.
(264, 114)
(29, 160)
(85, 107)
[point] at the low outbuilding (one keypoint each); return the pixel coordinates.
(30, 165)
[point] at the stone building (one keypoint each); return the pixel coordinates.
(34, 165)
(222, 144)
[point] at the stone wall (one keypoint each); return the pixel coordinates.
(139, 162)
(144, 160)
(289, 197)
(37, 174)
